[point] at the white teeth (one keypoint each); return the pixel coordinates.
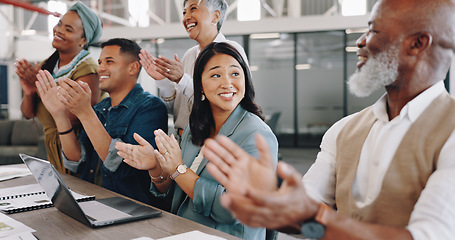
(362, 58)
(55, 36)
(191, 25)
(103, 77)
(227, 95)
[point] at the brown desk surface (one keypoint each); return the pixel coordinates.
(50, 223)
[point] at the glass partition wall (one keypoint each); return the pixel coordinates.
(299, 78)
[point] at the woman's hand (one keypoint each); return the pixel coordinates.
(148, 62)
(140, 156)
(27, 75)
(48, 91)
(168, 154)
(171, 69)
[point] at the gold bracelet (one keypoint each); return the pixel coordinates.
(167, 99)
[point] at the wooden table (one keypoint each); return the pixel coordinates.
(50, 223)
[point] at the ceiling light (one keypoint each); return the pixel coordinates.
(264, 35)
(248, 10)
(302, 66)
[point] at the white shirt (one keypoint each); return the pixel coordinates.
(167, 87)
(433, 216)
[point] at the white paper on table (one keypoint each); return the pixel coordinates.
(11, 227)
(193, 235)
(7, 173)
(21, 236)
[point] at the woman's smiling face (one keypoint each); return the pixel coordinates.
(223, 83)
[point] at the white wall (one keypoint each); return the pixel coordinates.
(6, 33)
(452, 78)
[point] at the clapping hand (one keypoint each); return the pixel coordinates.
(27, 75)
(48, 91)
(140, 156)
(76, 96)
(161, 67)
(168, 154)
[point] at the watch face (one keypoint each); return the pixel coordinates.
(181, 169)
(313, 230)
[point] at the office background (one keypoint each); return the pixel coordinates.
(301, 52)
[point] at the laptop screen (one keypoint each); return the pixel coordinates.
(55, 188)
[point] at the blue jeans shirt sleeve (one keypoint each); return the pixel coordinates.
(72, 165)
(113, 160)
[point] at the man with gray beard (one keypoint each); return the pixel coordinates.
(386, 172)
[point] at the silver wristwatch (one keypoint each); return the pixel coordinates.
(181, 169)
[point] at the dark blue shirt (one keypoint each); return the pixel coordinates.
(140, 112)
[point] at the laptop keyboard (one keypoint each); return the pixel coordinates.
(96, 211)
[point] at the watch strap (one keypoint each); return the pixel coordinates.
(177, 172)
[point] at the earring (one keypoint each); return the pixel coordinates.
(213, 23)
(202, 97)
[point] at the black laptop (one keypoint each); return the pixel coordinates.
(96, 213)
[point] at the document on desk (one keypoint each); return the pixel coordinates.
(7, 173)
(29, 197)
(12, 229)
(193, 235)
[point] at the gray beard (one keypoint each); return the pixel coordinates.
(378, 72)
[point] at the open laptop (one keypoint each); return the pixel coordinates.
(94, 213)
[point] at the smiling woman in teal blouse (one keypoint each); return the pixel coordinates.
(223, 105)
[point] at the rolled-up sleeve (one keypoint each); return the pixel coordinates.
(73, 165)
(113, 160)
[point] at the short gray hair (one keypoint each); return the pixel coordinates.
(212, 6)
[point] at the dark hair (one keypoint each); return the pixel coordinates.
(201, 119)
(126, 46)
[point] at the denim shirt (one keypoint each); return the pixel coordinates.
(205, 207)
(139, 112)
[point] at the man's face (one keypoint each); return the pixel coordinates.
(378, 53)
(113, 69)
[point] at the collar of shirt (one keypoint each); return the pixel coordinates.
(413, 108)
(219, 38)
(126, 102)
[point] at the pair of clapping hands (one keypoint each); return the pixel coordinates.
(161, 67)
(144, 157)
(251, 194)
(68, 95)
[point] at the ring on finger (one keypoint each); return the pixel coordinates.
(168, 70)
(166, 153)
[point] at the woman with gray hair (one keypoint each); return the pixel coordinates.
(202, 20)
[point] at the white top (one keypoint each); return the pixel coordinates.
(433, 216)
(197, 161)
(167, 87)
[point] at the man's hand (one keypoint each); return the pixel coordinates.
(76, 96)
(48, 91)
(238, 171)
(251, 194)
(285, 208)
(140, 156)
